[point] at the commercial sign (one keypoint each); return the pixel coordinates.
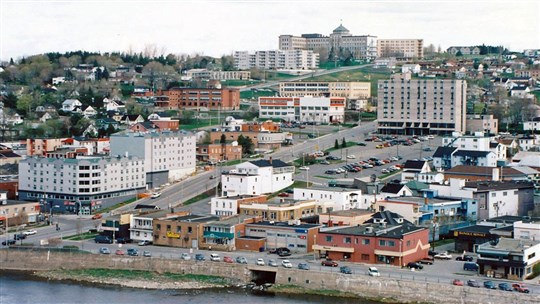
(467, 233)
(171, 234)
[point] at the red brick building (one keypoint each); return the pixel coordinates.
(386, 238)
(218, 152)
(192, 98)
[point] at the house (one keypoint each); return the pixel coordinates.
(71, 105)
(114, 104)
(257, 177)
(386, 238)
(89, 112)
(90, 131)
(512, 259)
(479, 173)
(342, 198)
(395, 189)
(532, 125)
(7, 156)
(412, 168)
(529, 142)
(164, 122)
(44, 116)
(142, 224)
(219, 151)
(131, 119)
(411, 68)
(527, 229)
(144, 126)
(474, 158)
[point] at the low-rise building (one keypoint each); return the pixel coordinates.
(281, 209)
(387, 238)
(342, 198)
(482, 123)
(201, 98)
(413, 168)
(351, 217)
(527, 229)
(219, 151)
(532, 125)
(142, 227)
(222, 234)
(230, 205)
(512, 259)
(185, 231)
(276, 60)
(303, 109)
(349, 90)
(14, 213)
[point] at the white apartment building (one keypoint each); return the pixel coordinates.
(218, 75)
(341, 198)
(401, 48)
(421, 106)
(276, 60)
(532, 125)
(169, 155)
(361, 47)
(303, 109)
(142, 225)
(476, 142)
(257, 177)
(84, 182)
(349, 90)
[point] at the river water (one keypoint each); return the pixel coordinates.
(18, 288)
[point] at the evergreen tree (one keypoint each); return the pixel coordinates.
(223, 139)
(343, 143)
(336, 144)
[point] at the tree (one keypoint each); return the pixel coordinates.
(336, 144)
(246, 143)
(24, 104)
(343, 143)
(223, 139)
(227, 63)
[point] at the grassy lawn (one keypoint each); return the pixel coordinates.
(256, 94)
(444, 242)
(80, 237)
(129, 201)
(296, 184)
(348, 144)
(196, 198)
(233, 162)
(323, 176)
(238, 83)
(389, 174)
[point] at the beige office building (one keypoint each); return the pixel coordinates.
(349, 90)
(400, 48)
(421, 106)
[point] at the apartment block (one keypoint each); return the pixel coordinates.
(218, 75)
(303, 109)
(421, 106)
(401, 48)
(349, 90)
(361, 47)
(276, 60)
(219, 151)
(84, 182)
(482, 123)
(168, 155)
(197, 98)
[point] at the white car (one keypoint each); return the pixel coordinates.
(260, 262)
(156, 194)
(351, 156)
(214, 257)
(286, 264)
(304, 168)
(30, 232)
(443, 256)
(374, 272)
(185, 256)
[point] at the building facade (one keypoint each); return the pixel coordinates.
(341, 198)
(482, 123)
(349, 90)
(303, 109)
(86, 183)
(218, 75)
(401, 48)
(508, 258)
(230, 205)
(276, 60)
(219, 152)
(298, 237)
(168, 156)
(421, 106)
(185, 231)
(197, 98)
(360, 47)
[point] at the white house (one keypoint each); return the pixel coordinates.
(89, 112)
(395, 190)
(342, 198)
(58, 80)
(532, 125)
(113, 104)
(527, 142)
(411, 68)
(141, 225)
(257, 177)
(70, 105)
(412, 168)
(229, 205)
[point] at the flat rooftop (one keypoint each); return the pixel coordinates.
(285, 225)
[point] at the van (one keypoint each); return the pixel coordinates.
(215, 257)
(103, 239)
(470, 266)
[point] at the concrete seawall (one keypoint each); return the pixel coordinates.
(389, 288)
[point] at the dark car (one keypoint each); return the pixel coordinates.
(290, 191)
(490, 285)
(432, 252)
(132, 252)
(415, 265)
(19, 237)
(473, 283)
(329, 263)
(467, 258)
(200, 257)
(361, 144)
(427, 261)
(8, 242)
(283, 251)
(303, 266)
(123, 240)
(103, 239)
(345, 270)
(505, 287)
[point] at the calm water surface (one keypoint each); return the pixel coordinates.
(23, 288)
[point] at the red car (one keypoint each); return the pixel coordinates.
(97, 216)
(283, 194)
(457, 282)
(119, 252)
(520, 288)
(329, 263)
(228, 259)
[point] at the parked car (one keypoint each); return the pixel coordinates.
(304, 168)
(199, 257)
(324, 162)
(228, 259)
(286, 264)
(457, 282)
(97, 216)
(241, 260)
(9, 242)
(259, 262)
(119, 252)
(103, 239)
(104, 250)
(19, 236)
(505, 287)
(473, 283)
(283, 194)
(345, 270)
(272, 263)
(214, 257)
(520, 287)
(123, 240)
(490, 285)
(329, 263)
(283, 251)
(374, 272)
(467, 258)
(432, 252)
(471, 266)
(132, 252)
(185, 256)
(303, 266)
(443, 256)
(351, 156)
(427, 261)
(144, 243)
(147, 254)
(363, 144)
(415, 265)
(30, 232)
(155, 195)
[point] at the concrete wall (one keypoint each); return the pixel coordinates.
(361, 284)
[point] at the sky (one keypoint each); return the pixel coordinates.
(220, 27)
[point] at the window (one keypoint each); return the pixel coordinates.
(365, 241)
(329, 238)
(347, 240)
(365, 257)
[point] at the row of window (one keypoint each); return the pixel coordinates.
(348, 240)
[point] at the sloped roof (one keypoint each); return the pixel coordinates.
(414, 164)
(471, 153)
(392, 188)
(341, 29)
(444, 151)
(482, 170)
(276, 163)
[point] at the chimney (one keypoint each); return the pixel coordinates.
(270, 160)
(495, 174)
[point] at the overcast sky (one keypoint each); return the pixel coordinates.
(222, 26)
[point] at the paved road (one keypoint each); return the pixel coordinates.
(305, 76)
